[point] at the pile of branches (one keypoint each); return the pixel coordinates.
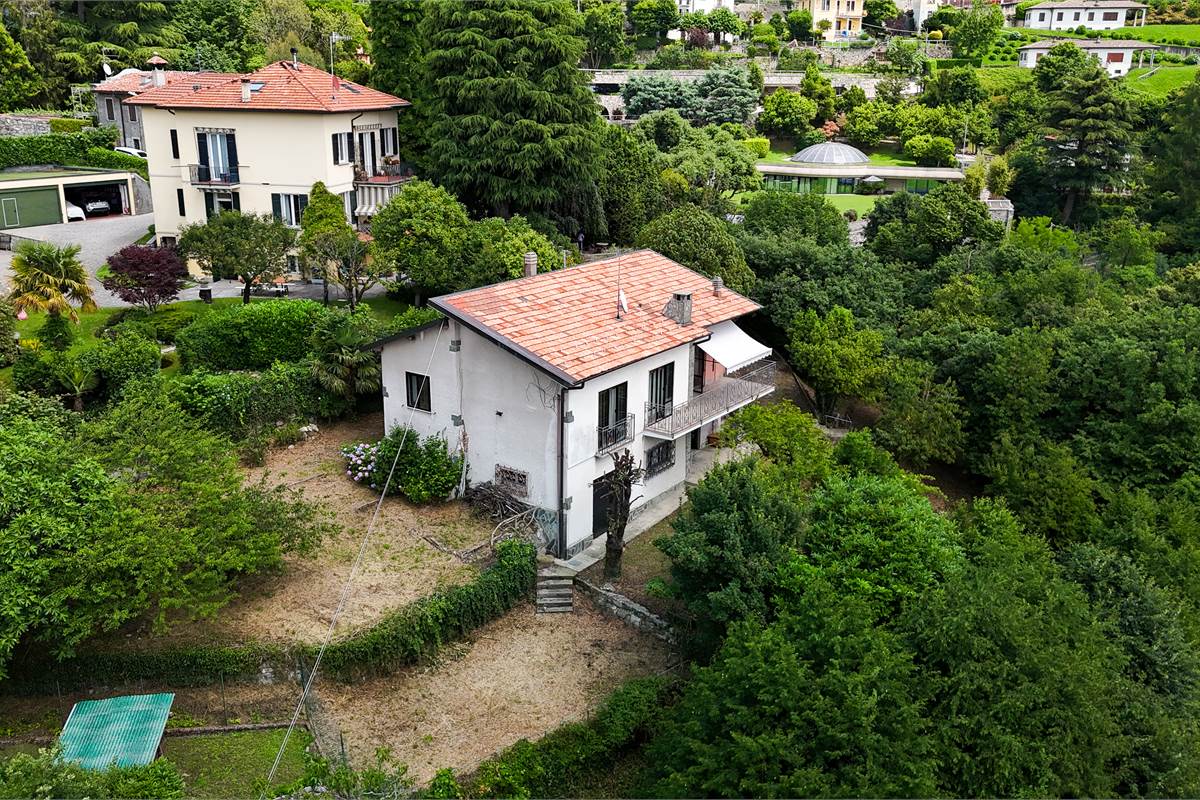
(493, 502)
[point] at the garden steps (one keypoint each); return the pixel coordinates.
(555, 590)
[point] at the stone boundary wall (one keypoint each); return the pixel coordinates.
(634, 614)
(14, 125)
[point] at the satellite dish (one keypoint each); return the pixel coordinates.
(107, 69)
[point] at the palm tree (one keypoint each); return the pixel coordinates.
(50, 279)
(80, 379)
(342, 362)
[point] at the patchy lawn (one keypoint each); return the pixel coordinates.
(400, 566)
(235, 764)
(861, 203)
(518, 677)
(1162, 82)
(641, 564)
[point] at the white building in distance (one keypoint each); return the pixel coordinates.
(258, 142)
(1117, 56)
(542, 379)
(1096, 15)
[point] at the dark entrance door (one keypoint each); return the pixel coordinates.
(600, 498)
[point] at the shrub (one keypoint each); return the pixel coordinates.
(67, 125)
(538, 769)
(759, 146)
(53, 148)
(418, 630)
(8, 333)
(425, 471)
(126, 357)
(169, 322)
(240, 404)
(110, 159)
(56, 332)
(933, 151)
(45, 775)
(252, 336)
(34, 372)
(413, 317)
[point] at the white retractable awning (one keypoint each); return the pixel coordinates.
(366, 210)
(732, 348)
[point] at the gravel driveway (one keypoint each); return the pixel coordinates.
(97, 238)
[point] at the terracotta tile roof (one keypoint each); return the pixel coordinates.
(136, 81)
(282, 86)
(566, 321)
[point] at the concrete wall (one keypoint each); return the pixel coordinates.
(13, 125)
(278, 152)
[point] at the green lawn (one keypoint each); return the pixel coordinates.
(1152, 33)
(886, 156)
(235, 764)
(1162, 82)
(1004, 80)
(862, 203)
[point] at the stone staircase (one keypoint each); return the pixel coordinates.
(555, 589)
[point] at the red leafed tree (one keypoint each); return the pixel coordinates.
(147, 276)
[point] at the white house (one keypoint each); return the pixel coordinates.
(923, 10)
(1096, 15)
(541, 379)
(1117, 56)
(258, 142)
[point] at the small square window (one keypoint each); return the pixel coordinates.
(418, 391)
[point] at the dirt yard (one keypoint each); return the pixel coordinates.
(519, 677)
(400, 566)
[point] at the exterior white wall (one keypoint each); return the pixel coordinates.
(1127, 59)
(508, 408)
(1064, 18)
(923, 10)
(278, 152)
(584, 466)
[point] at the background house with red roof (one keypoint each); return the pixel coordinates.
(111, 94)
(540, 380)
(258, 142)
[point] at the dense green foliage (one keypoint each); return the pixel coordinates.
(252, 248)
(252, 336)
(97, 498)
(241, 404)
(699, 240)
(43, 775)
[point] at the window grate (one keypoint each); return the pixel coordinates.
(512, 480)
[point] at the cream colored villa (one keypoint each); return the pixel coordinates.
(844, 17)
(258, 142)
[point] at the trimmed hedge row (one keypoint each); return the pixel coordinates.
(90, 147)
(400, 639)
(418, 630)
(543, 768)
(252, 336)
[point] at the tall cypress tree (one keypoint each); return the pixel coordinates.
(399, 56)
(514, 127)
(1175, 172)
(1089, 127)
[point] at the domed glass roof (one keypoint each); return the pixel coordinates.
(830, 153)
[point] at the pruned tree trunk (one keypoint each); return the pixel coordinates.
(624, 475)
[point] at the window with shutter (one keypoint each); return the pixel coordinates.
(179, 199)
(276, 206)
(174, 143)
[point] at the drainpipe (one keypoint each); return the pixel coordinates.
(562, 472)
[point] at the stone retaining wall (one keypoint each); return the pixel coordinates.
(626, 610)
(13, 125)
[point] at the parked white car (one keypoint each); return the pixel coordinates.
(74, 212)
(94, 207)
(129, 151)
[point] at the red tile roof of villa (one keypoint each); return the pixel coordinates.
(281, 86)
(566, 320)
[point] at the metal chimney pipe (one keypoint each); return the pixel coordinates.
(718, 285)
(245, 90)
(295, 57)
(531, 264)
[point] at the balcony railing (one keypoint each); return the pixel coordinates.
(720, 398)
(204, 175)
(610, 437)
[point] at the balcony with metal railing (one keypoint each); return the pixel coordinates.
(204, 175)
(610, 437)
(718, 399)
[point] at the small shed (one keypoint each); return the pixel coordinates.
(125, 731)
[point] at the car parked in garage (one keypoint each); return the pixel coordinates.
(74, 212)
(97, 207)
(131, 151)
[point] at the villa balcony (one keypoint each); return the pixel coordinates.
(611, 437)
(373, 192)
(201, 175)
(718, 399)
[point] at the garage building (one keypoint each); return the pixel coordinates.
(30, 197)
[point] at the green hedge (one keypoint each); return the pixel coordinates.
(110, 159)
(252, 336)
(400, 639)
(240, 403)
(544, 768)
(947, 63)
(420, 629)
(68, 125)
